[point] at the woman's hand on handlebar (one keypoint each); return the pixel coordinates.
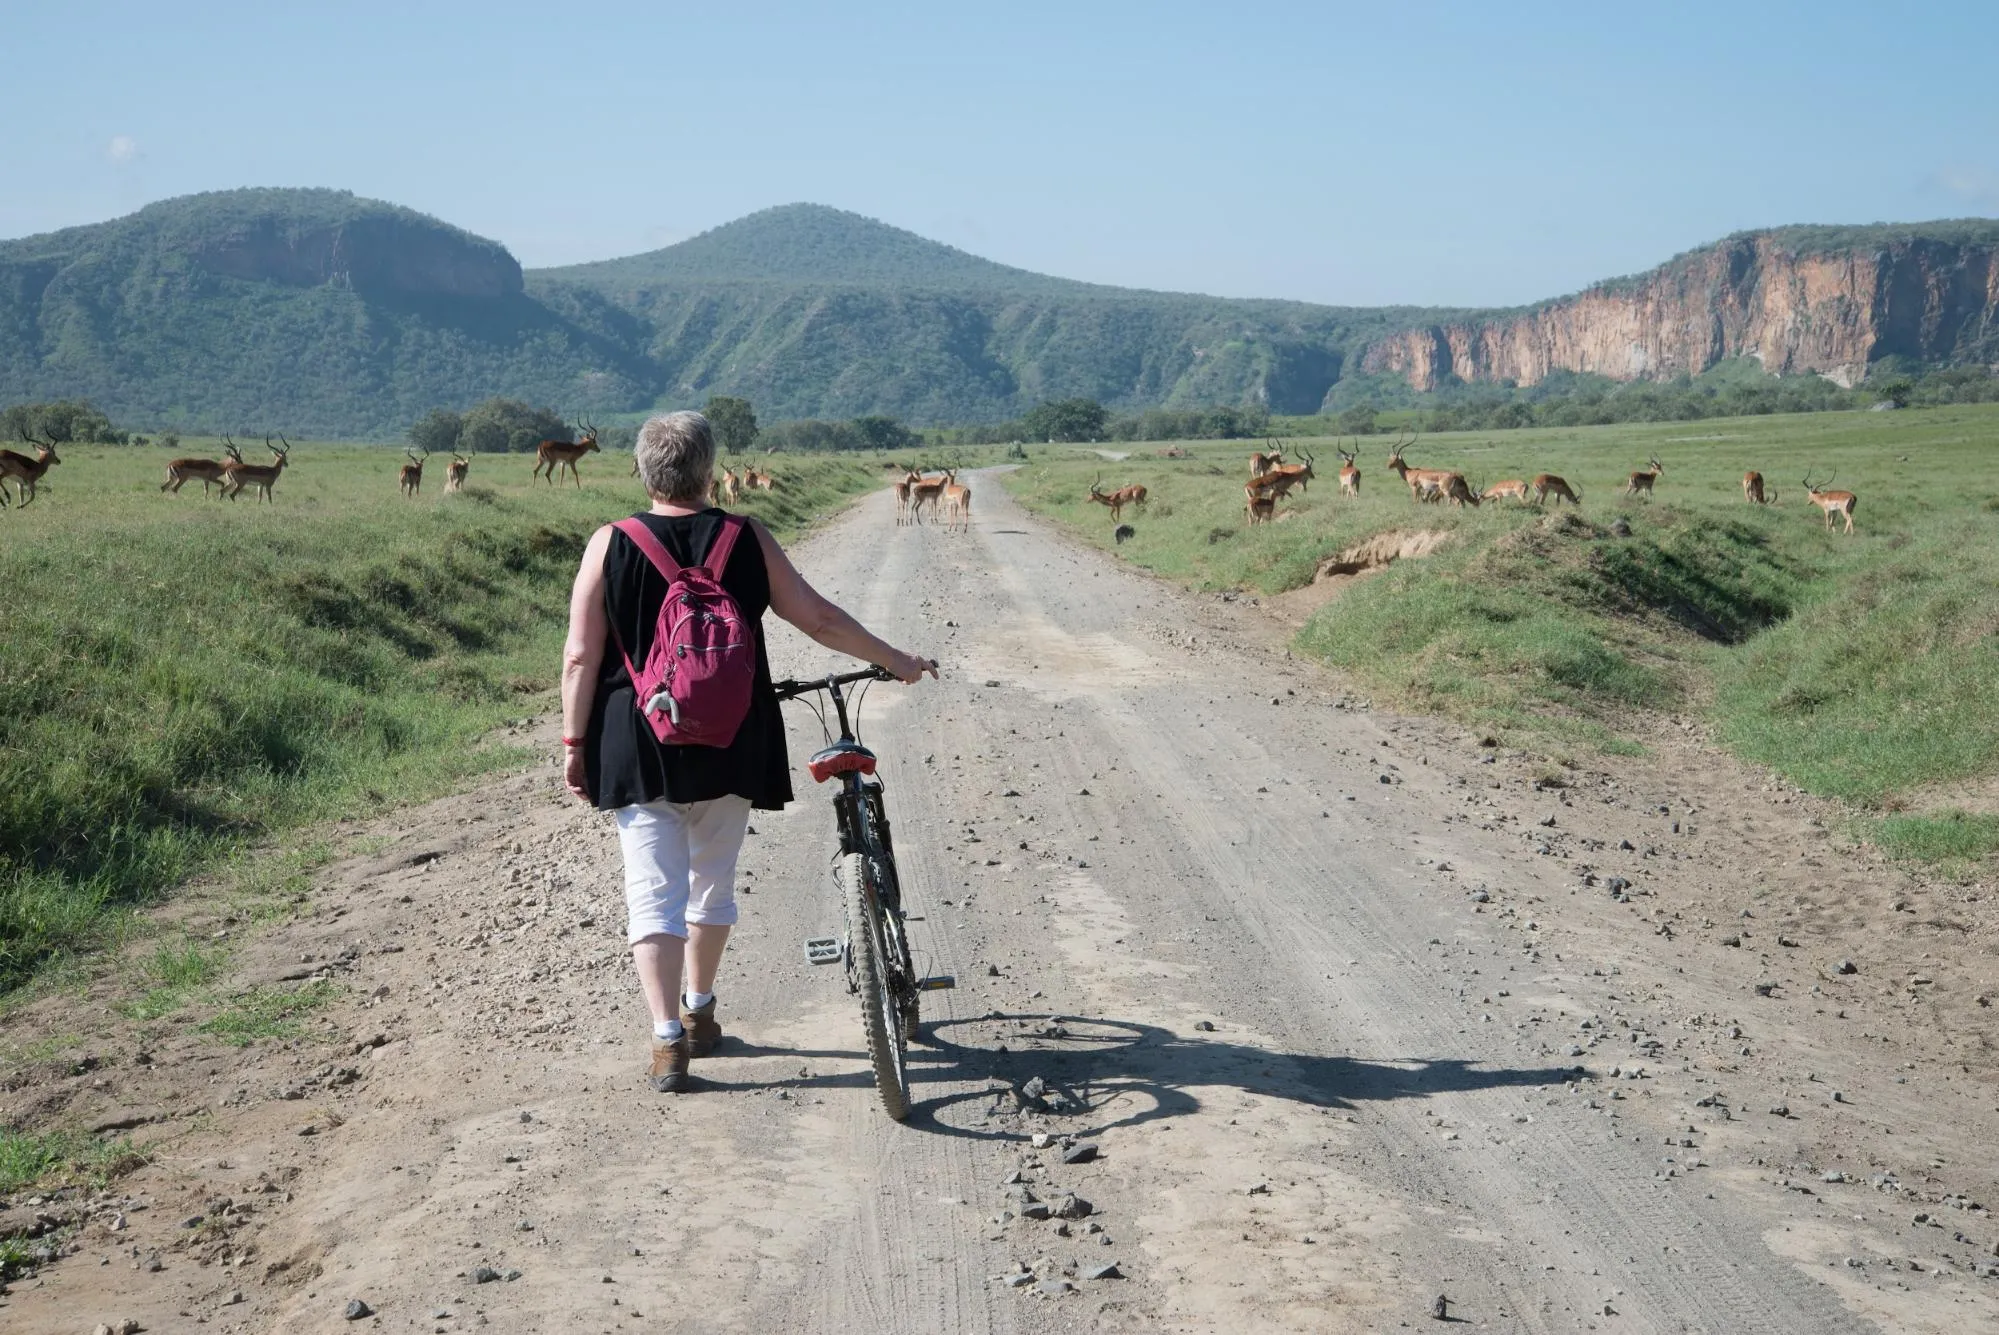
(908, 668)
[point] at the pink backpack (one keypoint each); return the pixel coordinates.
(695, 686)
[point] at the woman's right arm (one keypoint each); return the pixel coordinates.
(825, 621)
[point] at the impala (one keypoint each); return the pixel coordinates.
(410, 480)
(1262, 462)
(957, 504)
(925, 490)
(1117, 500)
(1643, 480)
(208, 470)
(731, 485)
(902, 486)
(25, 472)
(763, 481)
(262, 476)
(1262, 502)
(455, 471)
(1752, 488)
(1424, 483)
(1512, 487)
(1349, 474)
(1547, 484)
(1832, 502)
(555, 455)
(1300, 474)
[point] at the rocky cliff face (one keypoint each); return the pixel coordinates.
(384, 256)
(1758, 295)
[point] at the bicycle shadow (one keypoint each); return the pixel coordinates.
(1092, 1069)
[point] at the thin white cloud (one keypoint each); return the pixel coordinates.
(1977, 185)
(122, 150)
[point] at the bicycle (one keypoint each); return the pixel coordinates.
(876, 947)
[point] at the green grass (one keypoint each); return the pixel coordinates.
(170, 977)
(1864, 668)
(60, 1158)
(1951, 838)
(183, 676)
(268, 1013)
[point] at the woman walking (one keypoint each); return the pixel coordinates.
(682, 809)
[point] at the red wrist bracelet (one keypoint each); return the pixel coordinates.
(572, 741)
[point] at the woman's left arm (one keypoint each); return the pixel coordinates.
(582, 655)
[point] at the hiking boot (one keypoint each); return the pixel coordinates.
(669, 1064)
(703, 1032)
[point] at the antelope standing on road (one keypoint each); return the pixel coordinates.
(1547, 484)
(25, 472)
(1752, 488)
(410, 480)
(555, 455)
(1643, 480)
(1349, 473)
(902, 486)
(925, 490)
(180, 471)
(261, 476)
(957, 504)
(1832, 502)
(455, 471)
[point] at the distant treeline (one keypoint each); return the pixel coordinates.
(1087, 420)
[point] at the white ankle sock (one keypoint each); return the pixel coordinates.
(666, 1031)
(696, 1000)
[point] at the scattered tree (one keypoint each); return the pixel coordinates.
(438, 431)
(735, 422)
(1066, 420)
(502, 425)
(1358, 420)
(62, 422)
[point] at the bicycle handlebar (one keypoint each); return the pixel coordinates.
(792, 688)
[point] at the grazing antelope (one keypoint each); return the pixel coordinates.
(1425, 484)
(1832, 502)
(1752, 488)
(1349, 474)
(1117, 500)
(1261, 502)
(410, 480)
(1642, 481)
(957, 504)
(763, 481)
(25, 472)
(209, 471)
(1512, 487)
(455, 471)
(925, 490)
(262, 476)
(555, 455)
(1263, 462)
(1546, 484)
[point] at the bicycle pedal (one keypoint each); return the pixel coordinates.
(937, 982)
(823, 950)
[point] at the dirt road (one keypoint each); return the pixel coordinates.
(1356, 1012)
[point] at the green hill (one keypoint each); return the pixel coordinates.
(321, 314)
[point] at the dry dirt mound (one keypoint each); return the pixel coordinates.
(1336, 572)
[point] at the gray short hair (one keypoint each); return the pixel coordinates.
(676, 456)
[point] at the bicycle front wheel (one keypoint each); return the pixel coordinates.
(867, 957)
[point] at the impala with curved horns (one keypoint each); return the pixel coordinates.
(455, 471)
(555, 455)
(26, 473)
(1299, 475)
(1263, 461)
(1349, 471)
(1425, 484)
(261, 476)
(1832, 502)
(216, 471)
(1642, 480)
(1117, 500)
(410, 479)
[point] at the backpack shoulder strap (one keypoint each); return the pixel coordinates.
(651, 547)
(717, 559)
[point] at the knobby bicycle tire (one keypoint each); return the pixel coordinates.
(878, 1010)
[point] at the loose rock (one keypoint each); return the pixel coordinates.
(356, 1309)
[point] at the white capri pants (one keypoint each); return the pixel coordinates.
(680, 864)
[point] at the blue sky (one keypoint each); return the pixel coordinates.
(1441, 154)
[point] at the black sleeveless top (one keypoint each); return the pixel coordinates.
(625, 763)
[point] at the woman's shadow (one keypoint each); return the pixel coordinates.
(1090, 1068)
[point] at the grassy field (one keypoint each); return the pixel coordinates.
(182, 675)
(1860, 667)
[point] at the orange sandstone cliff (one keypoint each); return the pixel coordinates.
(1784, 297)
